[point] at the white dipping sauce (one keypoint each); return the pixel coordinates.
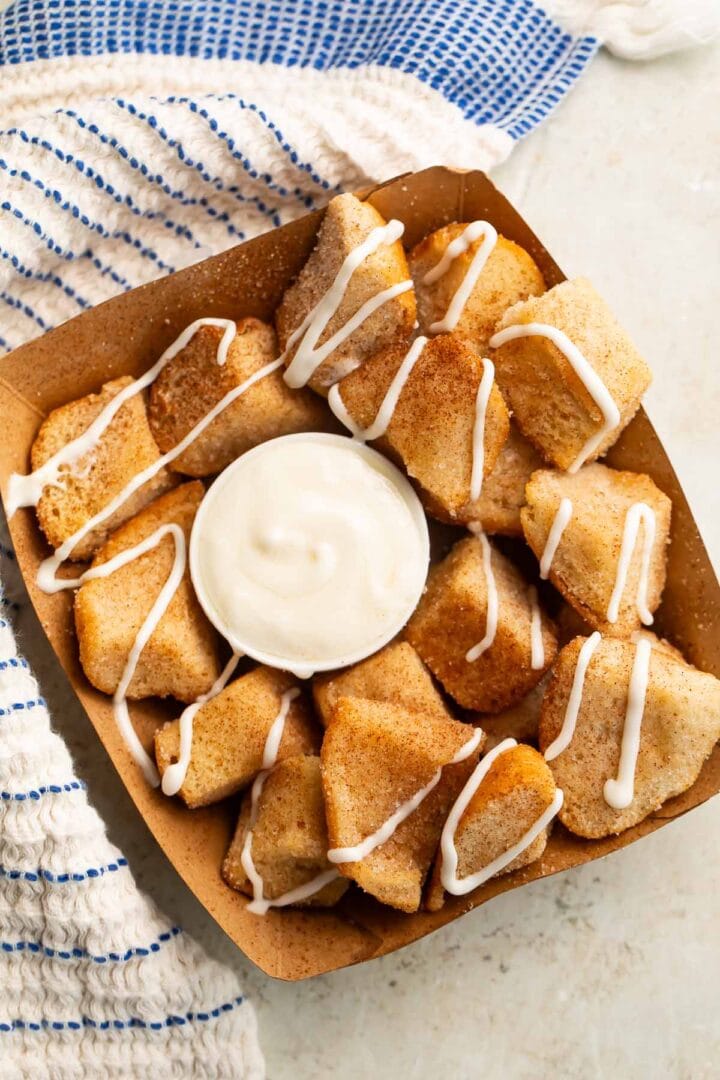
(309, 552)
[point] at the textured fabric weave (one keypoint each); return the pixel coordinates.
(114, 170)
(502, 61)
(95, 981)
(136, 137)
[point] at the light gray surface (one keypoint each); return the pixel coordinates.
(611, 970)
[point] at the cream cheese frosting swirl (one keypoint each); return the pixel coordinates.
(309, 552)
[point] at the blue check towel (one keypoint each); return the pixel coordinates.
(138, 136)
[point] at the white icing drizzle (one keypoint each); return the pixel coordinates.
(174, 776)
(260, 905)
(564, 737)
(319, 525)
(388, 404)
(309, 355)
(277, 729)
(361, 850)
(26, 490)
(637, 514)
(560, 522)
(537, 648)
(473, 232)
(619, 792)
(46, 579)
(478, 440)
(492, 603)
(584, 371)
(158, 609)
(448, 874)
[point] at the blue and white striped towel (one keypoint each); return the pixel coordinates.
(114, 170)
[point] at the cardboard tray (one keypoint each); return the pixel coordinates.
(124, 336)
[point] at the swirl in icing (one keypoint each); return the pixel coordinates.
(590, 379)
(472, 232)
(329, 553)
(448, 874)
(361, 850)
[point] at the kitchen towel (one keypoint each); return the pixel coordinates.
(136, 137)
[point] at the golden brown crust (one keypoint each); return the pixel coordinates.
(193, 383)
(396, 675)
(680, 726)
(289, 838)
(229, 734)
(347, 223)
(570, 624)
(389, 729)
(550, 403)
(503, 491)
(661, 644)
(451, 618)
(125, 449)
(181, 656)
(374, 757)
(431, 430)
(517, 790)
(519, 721)
(584, 568)
(509, 275)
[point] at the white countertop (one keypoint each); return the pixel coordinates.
(612, 970)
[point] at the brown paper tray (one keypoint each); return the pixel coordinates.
(124, 336)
